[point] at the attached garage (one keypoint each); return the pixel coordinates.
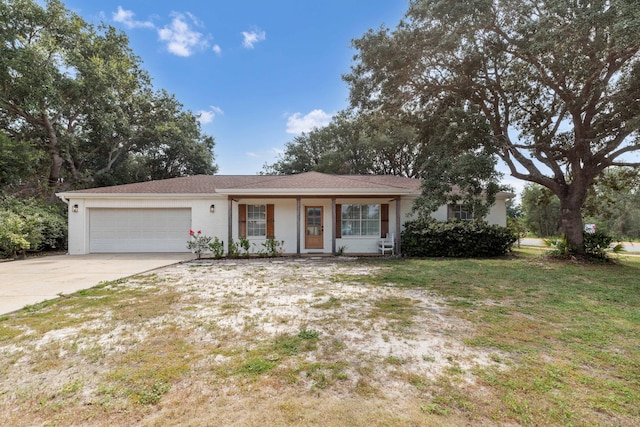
(113, 230)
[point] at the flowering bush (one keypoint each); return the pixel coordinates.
(199, 243)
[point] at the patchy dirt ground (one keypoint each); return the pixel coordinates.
(274, 342)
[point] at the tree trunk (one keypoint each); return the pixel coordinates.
(56, 166)
(572, 224)
(54, 151)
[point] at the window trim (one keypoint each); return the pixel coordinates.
(257, 223)
(243, 220)
(457, 212)
(340, 220)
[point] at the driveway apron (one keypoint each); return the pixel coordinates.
(34, 280)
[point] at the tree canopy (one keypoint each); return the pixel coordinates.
(556, 84)
(76, 95)
(354, 144)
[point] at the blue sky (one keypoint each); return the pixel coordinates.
(259, 72)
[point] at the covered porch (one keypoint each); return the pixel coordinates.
(314, 225)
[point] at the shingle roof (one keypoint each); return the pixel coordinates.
(211, 184)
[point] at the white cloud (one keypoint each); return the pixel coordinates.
(250, 38)
(208, 116)
(125, 17)
(268, 154)
(181, 39)
(297, 123)
(217, 49)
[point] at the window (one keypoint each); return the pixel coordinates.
(458, 212)
(256, 220)
(360, 220)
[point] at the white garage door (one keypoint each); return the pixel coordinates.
(139, 230)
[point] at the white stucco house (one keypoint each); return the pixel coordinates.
(310, 212)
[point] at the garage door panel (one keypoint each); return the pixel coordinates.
(139, 230)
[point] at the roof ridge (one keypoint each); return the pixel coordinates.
(267, 178)
(363, 177)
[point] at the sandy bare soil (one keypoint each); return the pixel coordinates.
(373, 346)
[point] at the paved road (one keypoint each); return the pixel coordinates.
(631, 247)
(34, 280)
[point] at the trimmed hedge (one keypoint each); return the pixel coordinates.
(457, 239)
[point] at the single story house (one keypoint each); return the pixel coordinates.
(310, 212)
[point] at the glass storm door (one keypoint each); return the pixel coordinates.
(314, 236)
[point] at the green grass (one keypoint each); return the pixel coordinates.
(570, 334)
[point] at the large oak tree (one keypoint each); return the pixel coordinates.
(78, 94)
(557, 83)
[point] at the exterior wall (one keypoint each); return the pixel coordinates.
(216, 224)
(498, 213)
(440, 214)
(201, 217)
(284, 223)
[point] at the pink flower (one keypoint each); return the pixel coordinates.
(199, 231)
(191, 233)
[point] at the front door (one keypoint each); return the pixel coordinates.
(314, 238)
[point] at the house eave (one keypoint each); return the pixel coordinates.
(505, 195)
(74, 195)
(311, 193)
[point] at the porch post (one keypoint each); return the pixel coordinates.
(398, 225)
(230, 225)
(333, 225)
(298, 225)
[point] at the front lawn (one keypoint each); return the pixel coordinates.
(519, 341)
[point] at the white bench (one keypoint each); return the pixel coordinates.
(387, 244)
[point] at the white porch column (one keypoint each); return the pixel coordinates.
(398, 226)
(298, 225)
(333, 225)
(230, 224)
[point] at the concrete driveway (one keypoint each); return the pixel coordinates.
(35, 280)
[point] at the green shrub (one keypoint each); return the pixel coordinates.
(234, 251)
(429, 238)
(272, 248)
(240, 248)
(596, 244)
(217, 248)
(13, 234)
(245, 245)
(42, 226)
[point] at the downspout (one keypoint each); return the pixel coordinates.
(64, 199)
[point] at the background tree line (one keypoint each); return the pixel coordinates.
(613, 205)
(78, 110)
